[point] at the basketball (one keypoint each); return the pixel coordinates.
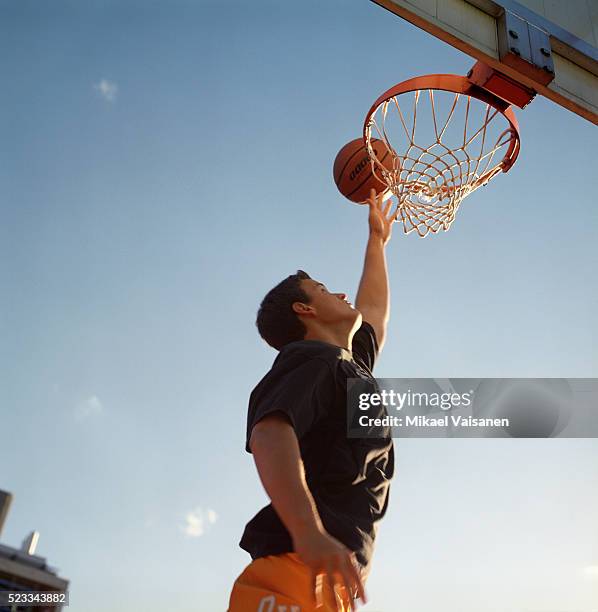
(353, 170)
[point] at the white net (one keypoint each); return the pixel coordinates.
(443, 146)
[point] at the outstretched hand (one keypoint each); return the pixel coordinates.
(379, 219)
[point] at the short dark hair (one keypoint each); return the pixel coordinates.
(277, 322)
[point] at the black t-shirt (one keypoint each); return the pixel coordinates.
(349, 478)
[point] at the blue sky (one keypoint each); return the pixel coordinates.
(162, 166)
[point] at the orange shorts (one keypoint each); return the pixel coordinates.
(282, 583)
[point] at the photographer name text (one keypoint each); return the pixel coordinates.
(425, 421)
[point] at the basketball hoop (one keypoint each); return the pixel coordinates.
(465, 136)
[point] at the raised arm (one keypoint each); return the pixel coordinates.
(276, 452)
(373, 295)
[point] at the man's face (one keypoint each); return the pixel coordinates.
(328, 307)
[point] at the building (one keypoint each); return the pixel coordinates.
(22, 570)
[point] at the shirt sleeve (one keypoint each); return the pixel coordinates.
(365, 346)
(304, 395)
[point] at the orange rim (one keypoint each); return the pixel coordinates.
(459, 85)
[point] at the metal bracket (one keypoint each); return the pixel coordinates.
(525, 47)
(500, 85)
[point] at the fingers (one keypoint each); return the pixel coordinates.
(387, 207)
(347, 582)
(372, 199)
(377, 201)
(342, 573)
(382, 197)
(355, 578)
(331, 581)
(318, 590)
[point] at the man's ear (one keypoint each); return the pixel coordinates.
(303, 309)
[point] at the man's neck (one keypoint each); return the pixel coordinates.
(338, 337)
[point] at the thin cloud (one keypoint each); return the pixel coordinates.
(198, 521)
(107, 89)
(89, 408)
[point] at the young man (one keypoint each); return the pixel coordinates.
(312, 546)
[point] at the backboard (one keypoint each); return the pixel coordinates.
(549, 46)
